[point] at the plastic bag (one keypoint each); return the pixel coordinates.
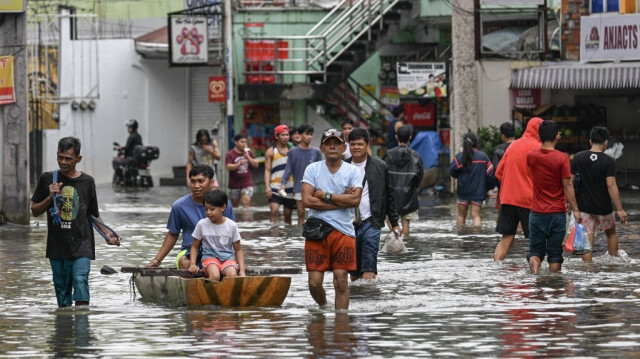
(393, 244)
(576, 240)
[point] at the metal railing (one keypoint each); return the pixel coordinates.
(322, 45)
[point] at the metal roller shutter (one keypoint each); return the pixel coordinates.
(204, 114)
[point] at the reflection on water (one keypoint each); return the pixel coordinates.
(444, 297)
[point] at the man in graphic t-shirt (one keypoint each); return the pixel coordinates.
(594, 176)
(237, 161)
(71, 203)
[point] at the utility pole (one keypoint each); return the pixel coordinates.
(464, 107)
(15, 121)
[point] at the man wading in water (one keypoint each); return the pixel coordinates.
(331, 189)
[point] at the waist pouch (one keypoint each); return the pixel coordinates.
(316, 229)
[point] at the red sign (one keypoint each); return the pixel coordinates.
(420, 115)
(217, 89)
(525, 98)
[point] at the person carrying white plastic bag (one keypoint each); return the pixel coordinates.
(394, 244)
(576, 241)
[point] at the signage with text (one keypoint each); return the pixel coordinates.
(525, 98)
(189, 40)
(609, 37)
(419, 115)
(422, 79)
(7, 92)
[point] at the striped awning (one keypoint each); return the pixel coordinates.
(578, 76)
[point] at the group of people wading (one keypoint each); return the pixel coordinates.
(349, 196)
(538, 187)
(351, 193)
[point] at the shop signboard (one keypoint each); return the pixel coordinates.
(526, 98)
(420, 115)
(609, 37)
(7, 91)
(12, 5)
(422, 79)
(189, 40)
(217, 89)
(389, 96)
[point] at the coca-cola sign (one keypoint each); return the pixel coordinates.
(420, 115)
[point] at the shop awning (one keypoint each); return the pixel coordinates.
(578, 76)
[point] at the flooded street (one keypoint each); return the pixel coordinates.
(445, 297)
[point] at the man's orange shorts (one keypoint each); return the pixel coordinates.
(337, 251)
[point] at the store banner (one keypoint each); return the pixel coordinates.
(7, 91)
(189, 40)
(419, 115)
(609, 37)
(526, 98)
(217, 89)
(12, 5)
(389, 96)
(422, 79)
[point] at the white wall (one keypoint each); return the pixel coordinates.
(493, 85)
(129, 87)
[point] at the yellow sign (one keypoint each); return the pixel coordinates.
(12, 5)
(7, 93)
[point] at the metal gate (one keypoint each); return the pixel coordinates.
(204, 114)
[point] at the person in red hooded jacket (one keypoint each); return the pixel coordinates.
(516, 188)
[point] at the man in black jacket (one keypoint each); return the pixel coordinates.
(375, 205)
(406, 171)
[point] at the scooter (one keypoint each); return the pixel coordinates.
(136, 173)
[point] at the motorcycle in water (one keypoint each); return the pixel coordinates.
(136, 173)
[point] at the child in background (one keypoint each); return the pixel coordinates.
(222, 254)
(473, 170)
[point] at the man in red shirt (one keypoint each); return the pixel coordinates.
(552, 188)
(237, 161)
(516, 190)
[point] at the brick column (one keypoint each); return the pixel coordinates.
(570, 30)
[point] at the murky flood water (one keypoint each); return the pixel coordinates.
(444, 297)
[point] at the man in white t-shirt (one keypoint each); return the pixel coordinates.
(376, 204)
(331, 189)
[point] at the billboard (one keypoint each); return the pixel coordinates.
(189, 40)
(609, 37)
(422, 79)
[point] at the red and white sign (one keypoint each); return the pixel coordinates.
(217, 89)
(526, 98)
(609, 37)
(420, 115)
(7, 91)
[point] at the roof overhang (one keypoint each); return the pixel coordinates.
(153, 45)
(578, 76)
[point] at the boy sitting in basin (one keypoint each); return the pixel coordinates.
(222, 254)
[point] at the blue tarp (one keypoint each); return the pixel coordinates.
(428, 145)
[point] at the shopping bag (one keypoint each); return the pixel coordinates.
(394, 244)
(567, 244)
(577, 240)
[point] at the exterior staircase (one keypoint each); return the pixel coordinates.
(312, 65)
